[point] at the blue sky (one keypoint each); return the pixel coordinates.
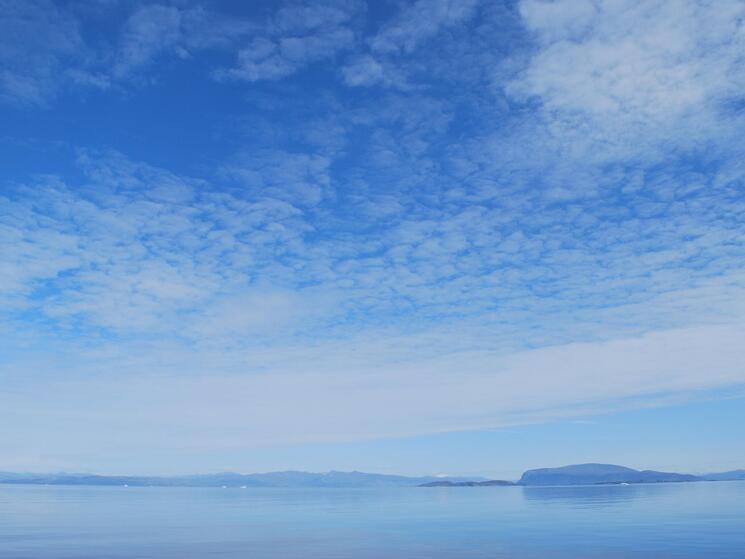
(418, 237)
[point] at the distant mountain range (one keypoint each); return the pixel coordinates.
(228, 479)
(578, 474)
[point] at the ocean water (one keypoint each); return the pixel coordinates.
(687, 520)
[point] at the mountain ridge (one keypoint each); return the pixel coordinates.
(288, 478)
(575, 474)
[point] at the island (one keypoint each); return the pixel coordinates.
(488, 482)
(592, 474)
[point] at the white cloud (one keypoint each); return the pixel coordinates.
(37, 40)
(634, 77)
(364, 70)
(154, 31)
(420, 21)
(407, 31)
(137, 249)
(436, 251)
(47, 48)
(301, 179)
(295, 37)
(149, 32)
(262, 60)
(324, 396)
(140, 251)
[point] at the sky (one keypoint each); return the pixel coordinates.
(425, 237)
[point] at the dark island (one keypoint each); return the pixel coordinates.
(593, 474)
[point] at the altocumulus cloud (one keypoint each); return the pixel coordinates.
(531, 210)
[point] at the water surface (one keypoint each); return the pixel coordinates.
(684, 520)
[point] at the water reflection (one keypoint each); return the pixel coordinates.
(684, 520)
(592, 495)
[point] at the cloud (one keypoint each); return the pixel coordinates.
(31, 255)
(262, 60)
(154, 30)
(546, 194)
(149, 32)
(411, 27)
(364, 70)
(137, 249)
(297, 178)
(295, 37)
(420, 21)
(297, 401)
(634, 77)
(47, 48)
(37, 41)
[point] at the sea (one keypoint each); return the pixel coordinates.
(675, 520)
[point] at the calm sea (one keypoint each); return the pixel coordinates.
(702, 520)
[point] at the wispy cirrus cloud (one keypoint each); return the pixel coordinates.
(296, 401)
